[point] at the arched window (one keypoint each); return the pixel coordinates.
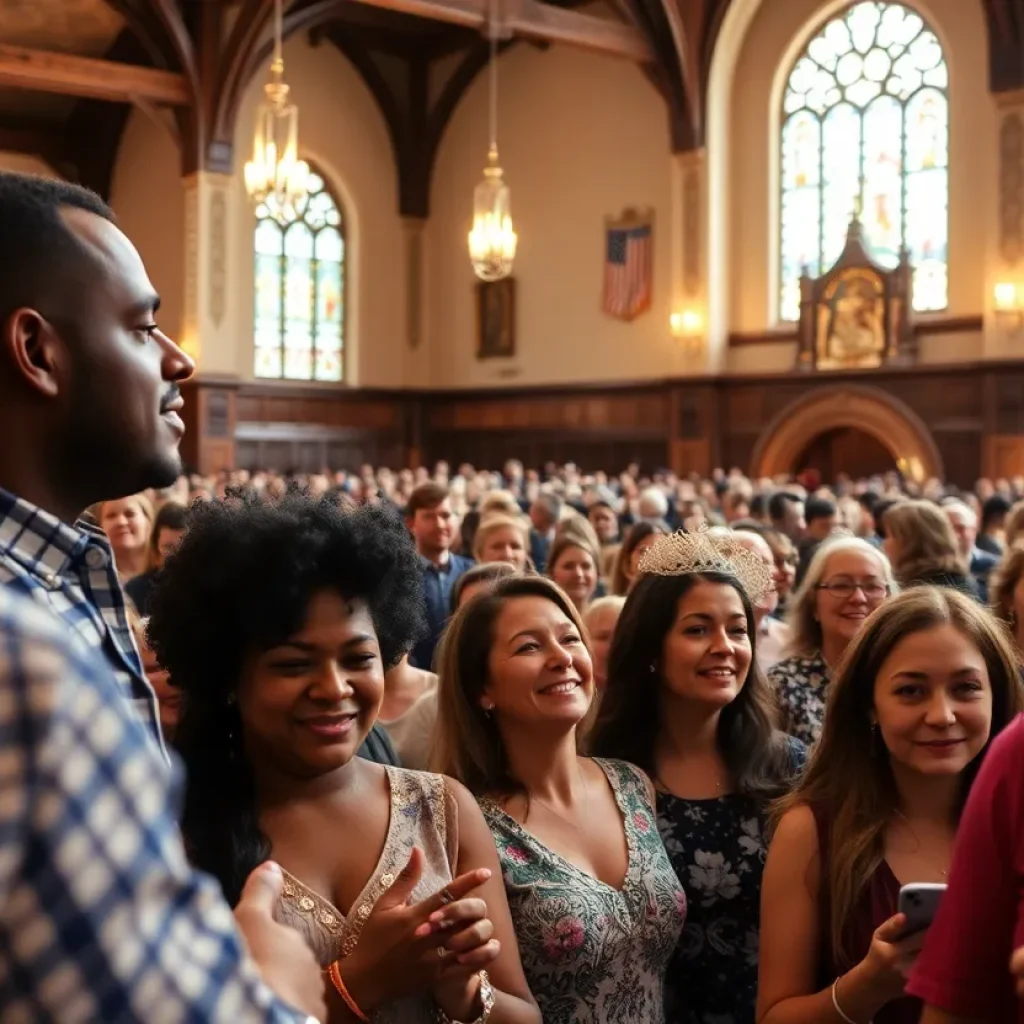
(865, 115)
(300, 289)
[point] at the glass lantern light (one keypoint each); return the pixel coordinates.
(275, 175)
(492, 239)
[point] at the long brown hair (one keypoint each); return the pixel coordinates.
(849, 781)
(467, 743)
(637, 532)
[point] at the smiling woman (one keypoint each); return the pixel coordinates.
(278, 620)
(595, 903)
(926, 685)
(686, 701)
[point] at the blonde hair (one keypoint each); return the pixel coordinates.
(848, 783)
(805, 629)
(924, 541)
(611, 602)
(499, 503)
(1004, 582)
(145, 506)
(467, 743)
(575, 525)
(493, 522)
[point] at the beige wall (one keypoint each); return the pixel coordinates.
(146, 194)
(343, 132)
(773, 39)
(581, 137)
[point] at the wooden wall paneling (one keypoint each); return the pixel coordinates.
(1004, 456)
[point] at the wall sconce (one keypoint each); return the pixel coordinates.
(1008, 299)
(686, 323)
(688, 326)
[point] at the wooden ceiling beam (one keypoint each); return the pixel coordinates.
(532, 19)
(86, 77)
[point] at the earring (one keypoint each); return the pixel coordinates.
(653, 668)
(488, 708)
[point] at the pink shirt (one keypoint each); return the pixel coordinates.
(964, 969)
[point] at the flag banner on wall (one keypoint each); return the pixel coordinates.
(629, 264)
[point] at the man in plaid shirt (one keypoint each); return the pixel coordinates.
(101, 918)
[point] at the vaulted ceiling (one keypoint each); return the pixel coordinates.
(187, 63)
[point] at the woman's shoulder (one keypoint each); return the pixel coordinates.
(626, 777)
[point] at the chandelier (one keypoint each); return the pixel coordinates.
(275, 175)
(492, 241)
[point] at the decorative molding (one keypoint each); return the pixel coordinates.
(919, 329)
(414, 282)
(190, 314)
(218, 255)
(884, 417)
(1011, 188)
(691, 231)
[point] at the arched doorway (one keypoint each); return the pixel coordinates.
(838, 416)
(846, 450)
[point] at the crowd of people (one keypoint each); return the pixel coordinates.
(510, 746)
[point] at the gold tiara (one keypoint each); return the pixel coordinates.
(704, 550)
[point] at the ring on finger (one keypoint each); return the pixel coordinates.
(442, 952)
(446, 897)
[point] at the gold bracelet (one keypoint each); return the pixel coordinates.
(333, 971)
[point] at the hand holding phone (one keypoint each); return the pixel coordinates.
(919, 903)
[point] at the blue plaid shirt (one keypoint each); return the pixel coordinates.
(71, 570)
(101, 916)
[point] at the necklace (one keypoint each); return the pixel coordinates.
(562, 817)
(917, 839)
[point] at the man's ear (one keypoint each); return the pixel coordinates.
(31, 345)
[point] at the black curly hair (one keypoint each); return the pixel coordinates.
(241, 580)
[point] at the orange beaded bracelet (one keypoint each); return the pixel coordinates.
(333, 972)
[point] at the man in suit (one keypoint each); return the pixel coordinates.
(965, 526)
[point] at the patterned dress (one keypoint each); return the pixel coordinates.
(801, 687)
(593, 954)
(718, 848)
(423, 814)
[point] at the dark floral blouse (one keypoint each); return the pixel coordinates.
(718, 848)
(593, 954)
(801, 688)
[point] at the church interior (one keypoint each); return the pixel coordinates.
(732, 146)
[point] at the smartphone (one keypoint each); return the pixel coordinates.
(919, 901)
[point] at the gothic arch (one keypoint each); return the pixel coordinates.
(890, 421)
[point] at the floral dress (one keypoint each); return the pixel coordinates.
(718, 848)
(801, 687)
(594, 954)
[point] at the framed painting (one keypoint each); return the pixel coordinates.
(496, 319)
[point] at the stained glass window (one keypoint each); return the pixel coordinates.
(865, 116)
(300, 289)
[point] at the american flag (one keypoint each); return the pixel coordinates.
(627, 271)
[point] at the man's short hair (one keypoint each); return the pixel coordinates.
(38, 252)
(995, 507)
(818, 508)
(426, 496)
(778, 503)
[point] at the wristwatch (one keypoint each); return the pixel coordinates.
(486, 993)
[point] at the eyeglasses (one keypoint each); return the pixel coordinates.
(844, 589)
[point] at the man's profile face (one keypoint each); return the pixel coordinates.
(121, 407)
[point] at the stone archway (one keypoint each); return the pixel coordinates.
(871, 410)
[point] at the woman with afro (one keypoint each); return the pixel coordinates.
(278, 621)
